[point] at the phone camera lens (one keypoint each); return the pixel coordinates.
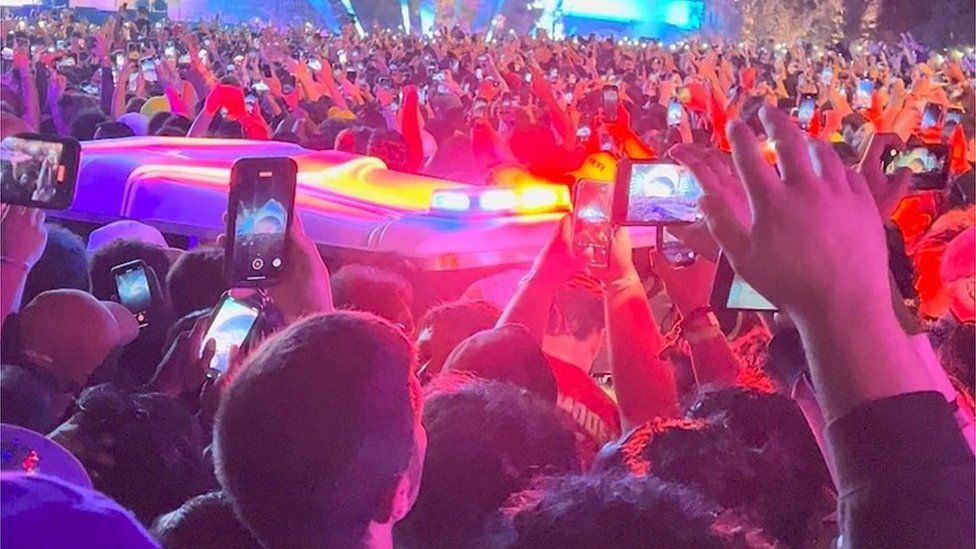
(257, 264)
(276, 262)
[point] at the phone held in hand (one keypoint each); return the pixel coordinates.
(592, 222)
(674, 251)
(929, 165)
(655, 192)
(259, 213)
(862, 98)
(231, 325)
(730, 291)
(675, 110)
(806, 109)
(134, 289)
(39, 171)
(932, 115)
(611, 97)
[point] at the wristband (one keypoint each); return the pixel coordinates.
(620, 284)
(700, 316)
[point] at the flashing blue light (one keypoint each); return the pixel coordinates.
(450, 201)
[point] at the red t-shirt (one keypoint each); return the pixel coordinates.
(593, 411)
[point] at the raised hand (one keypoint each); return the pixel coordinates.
(814, 242)
(886, 190)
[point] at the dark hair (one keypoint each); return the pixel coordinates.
(117, 252)
(317, 471)
(63, 265)
(958, 355)
(26, 400)
(196, 280)
(781, 492)
(619, 510)
(388, 146)
(203, 522)
(84, 125)
(286, 137)
(179, 121)
(157, 448)
(449, 324)
(170, 131)
(157, 121)
(469, 472)
(575, 311)
(229, 129)
(112, 130)
(375, 290)
(330, 128)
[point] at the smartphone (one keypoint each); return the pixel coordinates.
(675, 110)
(39, 171)
(953, 116)
(183, 60)
(611, 95)
(385, 82)
(170, 52)
(438, 77)
(342, 57)
(862, 99)
(119, 59)
(827, 75)
(652, 192)
(230, 325)
(730, 291)
(259, 213)
(568, 97)
(592, 223)
(929, 166)
(932, 115)
(66, 62)
(675, 252)
(808, 105)
(133, 288)
(315, 65)
(148, 66)
(351, 75)
(260, 87)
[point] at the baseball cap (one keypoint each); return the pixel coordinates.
(26, 451)
(129, 229)
(43, 511)
(506, 353)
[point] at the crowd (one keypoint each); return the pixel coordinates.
(357, 416)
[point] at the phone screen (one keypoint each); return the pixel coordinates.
(744, 296)
(610, 97)
(38, 172)
(261, 201)
(674, 113)
(657, 193)
(931, 116)
(315, 65)
(953, 115)
(132, 287)
(827, 75)
(808, 105)
(863, 97)
(229, 326)
(920, 160)
(592, 224)
(148, 69)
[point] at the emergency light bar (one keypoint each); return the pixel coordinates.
(529, 199)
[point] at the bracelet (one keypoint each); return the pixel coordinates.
(695, 317)
(631, 279)
(22, 265)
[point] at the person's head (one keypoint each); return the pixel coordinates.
(112, 130)
(507, 353)
(229, 129)
(25, 400)
(156, 448)
(575, 330)
(780, 489)
(68, 333)
(203, 522)
(469, 471)
(42, 511)
(958, 273)
(196, 280)
(341, 461)
(615, 510)
(443, 327)
(84, 125)
(375, 290)
(63, 264)
(389, 147)
(157, 121)
(118, 252)
(958, 355)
